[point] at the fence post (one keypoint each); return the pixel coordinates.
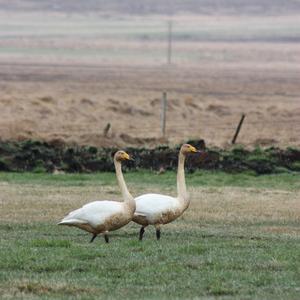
(163, 113)
(106, 129)
(170, 33)
(238, 129)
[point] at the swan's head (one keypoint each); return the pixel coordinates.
(122, 155)
(187, 148)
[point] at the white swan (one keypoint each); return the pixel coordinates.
(105, 216)
(156, 209)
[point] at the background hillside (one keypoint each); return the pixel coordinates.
(68, 68)
(265, 7)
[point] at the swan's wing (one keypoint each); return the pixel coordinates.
(93, 213)
(153, 204)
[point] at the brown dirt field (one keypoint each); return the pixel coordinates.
(75, 103)
(72, 98)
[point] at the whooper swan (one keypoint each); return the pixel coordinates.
(156, 209)
(105, 216)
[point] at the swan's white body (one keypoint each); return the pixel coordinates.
(99, 216)
(153, 209)
(157, 209)
(104, 216)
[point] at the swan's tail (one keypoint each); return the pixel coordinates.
(71, 222)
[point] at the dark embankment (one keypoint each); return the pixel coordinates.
(37, 156)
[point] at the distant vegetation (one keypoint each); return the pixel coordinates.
(39, 157)
(165, 7)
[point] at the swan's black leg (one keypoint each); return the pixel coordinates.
(157, 233)
(106, 238)
(94, 236)
(142, 233)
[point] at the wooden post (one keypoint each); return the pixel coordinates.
(163, 113)
(106, 129)
(169, 59)
(238, 129)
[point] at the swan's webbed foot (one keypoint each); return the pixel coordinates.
(157, 233)
(94, 236)
(106, 238)
(142, 231)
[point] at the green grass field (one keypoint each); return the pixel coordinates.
(239, 239)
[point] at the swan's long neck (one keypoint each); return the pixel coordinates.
(181, 186)
(128, 199)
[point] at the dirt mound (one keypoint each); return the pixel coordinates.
(126, 108)
(219, 110)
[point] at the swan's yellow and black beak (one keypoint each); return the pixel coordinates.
(126, 156)
(193, 149)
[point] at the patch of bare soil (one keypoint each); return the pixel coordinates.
(204, 102)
